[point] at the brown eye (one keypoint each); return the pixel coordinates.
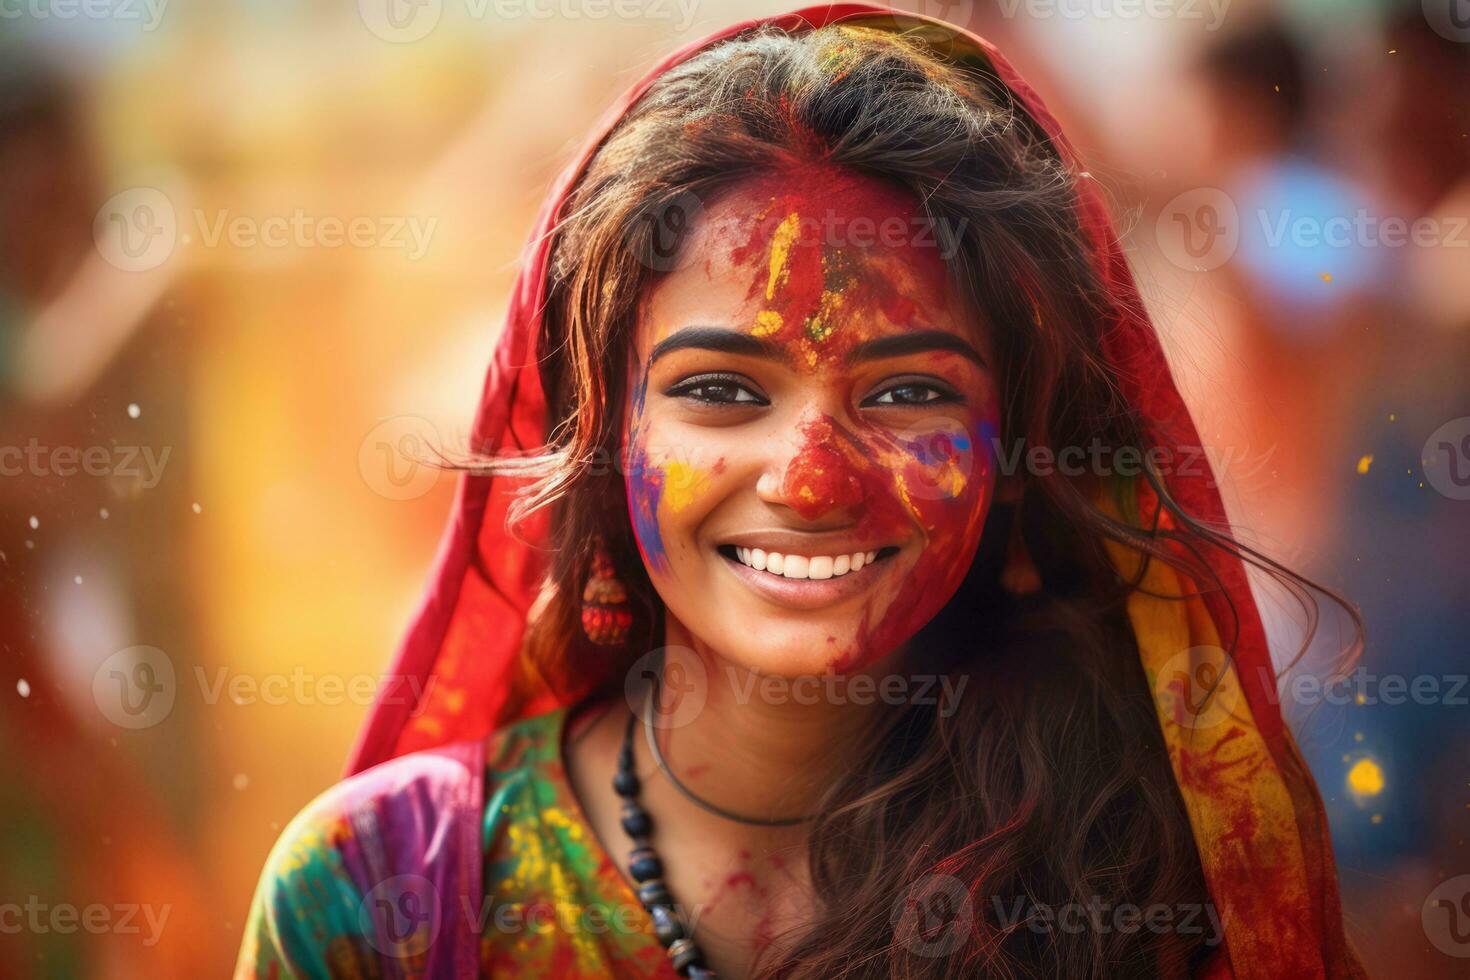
(912, 393)
(715, 390)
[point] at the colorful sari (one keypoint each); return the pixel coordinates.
(470, 860)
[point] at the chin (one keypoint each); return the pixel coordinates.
(809, 649)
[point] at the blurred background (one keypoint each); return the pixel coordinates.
(253, 261)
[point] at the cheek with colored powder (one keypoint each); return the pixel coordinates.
(939, 481)
(661, 487)
(644, 482)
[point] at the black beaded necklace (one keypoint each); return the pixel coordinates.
(646, 868)
(644, 863)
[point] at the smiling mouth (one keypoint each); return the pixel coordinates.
(805, 567)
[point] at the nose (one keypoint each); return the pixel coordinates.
(819, 477)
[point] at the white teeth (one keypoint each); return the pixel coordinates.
(805, 566)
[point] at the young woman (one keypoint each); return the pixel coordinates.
(840, 594)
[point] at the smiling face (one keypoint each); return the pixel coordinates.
(808, 441)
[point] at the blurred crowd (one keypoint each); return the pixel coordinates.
(253, 258)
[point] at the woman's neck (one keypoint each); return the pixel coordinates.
(761, 746)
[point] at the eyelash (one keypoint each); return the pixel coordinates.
(944, 395)
(687, 387)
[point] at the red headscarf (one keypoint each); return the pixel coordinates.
(1256, 815)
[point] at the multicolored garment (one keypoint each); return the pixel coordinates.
(382, 875)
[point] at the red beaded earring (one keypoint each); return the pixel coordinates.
(606, 614)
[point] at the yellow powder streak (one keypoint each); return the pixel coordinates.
(781, 243)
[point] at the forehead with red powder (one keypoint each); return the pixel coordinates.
(831, 254)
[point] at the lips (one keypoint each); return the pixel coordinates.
(805, 566)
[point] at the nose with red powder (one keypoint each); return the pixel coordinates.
(821, 477)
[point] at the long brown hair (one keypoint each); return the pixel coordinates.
(1049, 782)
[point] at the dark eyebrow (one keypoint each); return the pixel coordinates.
(914, 342)
(720, 339)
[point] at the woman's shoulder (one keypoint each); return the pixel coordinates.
(400, 836)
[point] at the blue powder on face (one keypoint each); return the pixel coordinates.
(645, 487)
